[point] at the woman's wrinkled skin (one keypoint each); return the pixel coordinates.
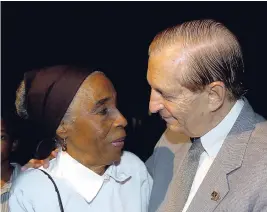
(95, 126)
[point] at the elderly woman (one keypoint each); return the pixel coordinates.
(77, 109)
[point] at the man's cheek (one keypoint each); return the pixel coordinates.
(177, 110)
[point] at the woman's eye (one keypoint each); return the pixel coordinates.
(103, 112)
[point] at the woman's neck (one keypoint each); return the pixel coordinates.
(98, 169)
(87, 162)
(6, 172)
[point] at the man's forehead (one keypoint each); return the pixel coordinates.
(170, 57)
(164, 70)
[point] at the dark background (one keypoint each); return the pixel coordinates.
(115, 36)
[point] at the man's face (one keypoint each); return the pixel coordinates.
(182, 109)
(98, 130)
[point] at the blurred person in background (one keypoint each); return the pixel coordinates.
(9, 169)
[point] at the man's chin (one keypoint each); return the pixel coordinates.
(175, 128)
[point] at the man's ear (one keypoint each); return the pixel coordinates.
(217, 94)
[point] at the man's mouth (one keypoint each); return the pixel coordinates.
(165, 118)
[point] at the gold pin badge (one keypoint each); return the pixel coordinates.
(215, 196)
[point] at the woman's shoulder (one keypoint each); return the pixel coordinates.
(129, 157)
(131, 163)
(32, 179)
(29, 179)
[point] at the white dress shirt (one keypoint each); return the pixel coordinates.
(123, 187)
(212, 142)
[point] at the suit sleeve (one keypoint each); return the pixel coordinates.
(261, 203)
(150, 163)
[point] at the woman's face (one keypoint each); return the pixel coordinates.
(97, 130)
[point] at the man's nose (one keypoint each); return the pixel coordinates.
(155, 102)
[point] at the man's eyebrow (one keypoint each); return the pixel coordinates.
(160, 91)
(164, 94)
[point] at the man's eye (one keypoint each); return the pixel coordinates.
(167, 98)
(103, 112)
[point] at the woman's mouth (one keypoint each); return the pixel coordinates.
(119, 142)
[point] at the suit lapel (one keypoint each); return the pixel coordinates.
(215, 185)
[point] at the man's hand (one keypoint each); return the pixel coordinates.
(34, 163)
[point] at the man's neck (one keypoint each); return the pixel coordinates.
(220, 114)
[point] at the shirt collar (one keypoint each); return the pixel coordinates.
(86, 182)
(213, 140)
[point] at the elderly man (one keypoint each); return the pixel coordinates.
(194, 72)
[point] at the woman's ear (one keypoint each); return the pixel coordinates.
(62, 129)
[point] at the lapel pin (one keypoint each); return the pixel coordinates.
(215, 196)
